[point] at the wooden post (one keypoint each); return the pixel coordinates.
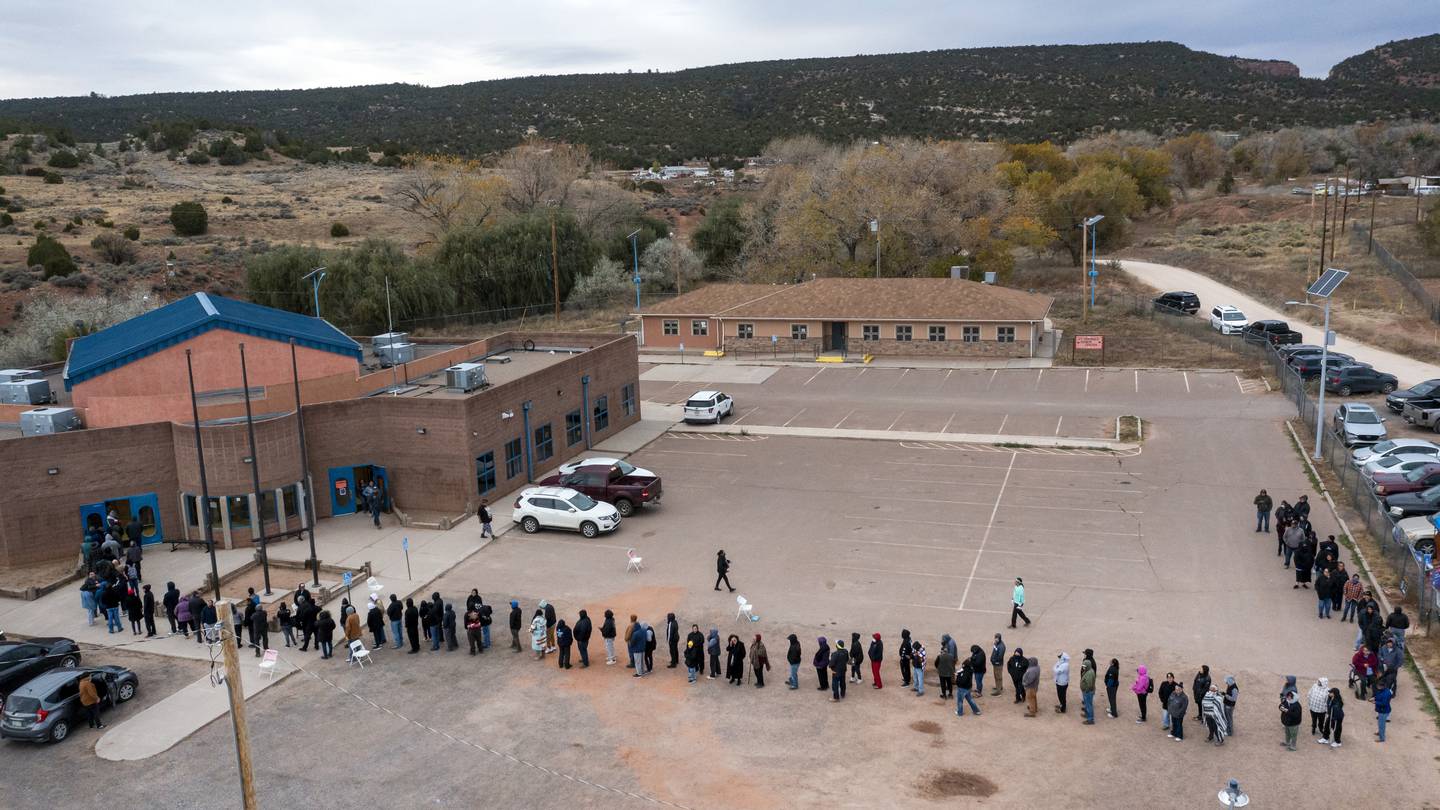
(224, 611)
(1324, 225)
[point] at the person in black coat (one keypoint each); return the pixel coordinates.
(699, 639)
(1304, 561)
(134, 609)
(375, 622)
(147, 610)
(259, 630)
(1015, 668)
(395, 612)
(650, 645)
(582, 632)
(1200, 686)
(694, 656)
(977, 668)
(607, 632)
(472, 602)
(793, 656)
(877, 655)
(447, 625)
(857, 657)
(838, 659)
(734, 660)
(171, 600)
(412, 625)
(550, 621)
(722, 570)
(516, 617)
(672, 639)
(325, 633)
(563, 639)
(904, 657)
(427, 621)
(821, 662)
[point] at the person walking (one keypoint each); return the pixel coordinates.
(1397, 623)
(1351, 592)
(712, 649)
(821, 662)
(917, 666)
(997, 662)
(1015, 668)
(395, 612)
(1142, 687)
(734, 660)
(539, 641)
(965, 689)
(516, 617)
(1334, 719)
(857, 657)
(877, 654)
(1087, 687)
(1032, 686)
(1017, 603)
(564, 638)
(325, 634)
(793, 656)
(1167, 688)
(1290, 719)
(607, 634)
(1383, 693)
(977, 668)
(472, 632)
(838, 660)
(147, 610)
(1061, 673)
(486, 519)
(375, 623)
(1263, 505)
(1232, 696)
(1318, 701)
(1112, 686)
(1179, 704)
(1199, 686)
(722, 570)
(1212, 708)
(759, 661)
(90, 700)
(582, 632)
(412, 625)
(945, 669)
(672, 639)
(694, 659)
(171, 603)
(905, 649)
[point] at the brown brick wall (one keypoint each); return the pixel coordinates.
(764, 344)
(938, 348)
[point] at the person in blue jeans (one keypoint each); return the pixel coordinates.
(1382, 706)
(964, 683)
(1087, 686)
(114, 595)
(793, 657)
(917, 666)
(1263, 505)
(395, 612)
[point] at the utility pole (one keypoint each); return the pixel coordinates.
(224, 609)
(555, 265)
(306, 480)
(1370, 246)
(1345, 206)
(1324, 223)
(256, 520)
(204, 510)
(1084, 281)
(875, 229)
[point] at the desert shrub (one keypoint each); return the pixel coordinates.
(357, 154)
(197, 158)
(2, 189)
(189, 218)
(69, 227)
(63, 159)
(6, 220)
(254, 143)
(338, 230)
(50, 255)
(1430, 229)
(54, 178)
(132, 233)
(652, 186)
(319, 156)
(390, 162)
(77, 219)
(226, 200)
(76, 281)
(35, 171)
(114, 248)
(233, 155)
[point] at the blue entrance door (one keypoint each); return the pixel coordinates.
(342, 490)
(143, 509)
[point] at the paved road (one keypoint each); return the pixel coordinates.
(1211, 292)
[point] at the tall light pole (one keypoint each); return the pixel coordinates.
(1092, 224)
(1324, 287)
(875, 229)
(635, 253)
(315, 277)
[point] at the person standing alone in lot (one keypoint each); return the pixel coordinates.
(722, 570)
(1263, 505)
(486, 519)
(1017, 603)
(877, 654)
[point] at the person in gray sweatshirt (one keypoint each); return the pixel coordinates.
(1031, 682)
(1179, 704)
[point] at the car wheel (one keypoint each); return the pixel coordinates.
(625, 508)
(127, 691)
(59, 731)
(1344, 391)
(589, 529)
(1387, 388)
(70, 660)
(530, 525)
(1425, 545)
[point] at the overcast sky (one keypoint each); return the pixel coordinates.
(66, 47)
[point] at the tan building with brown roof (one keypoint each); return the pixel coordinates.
(929, 316)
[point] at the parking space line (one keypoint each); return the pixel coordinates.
(793, 418)
(953, 414)
(847, 416)
(1239, 384)
(982, 579)
(992, 551)
(1014, 486)
(992, 467)
(1087, 380)
(1265, 380)
(992, 379)
(699, 453)
(999, 527)
(988, 527)
(1002, 423)
(743, 415)
(862, 372)
(813, 376)
(1038, 378)
(947, 376)
(1186, 375)
(903, 373)
(1057, 424)
(1137, 381)
(897, 420)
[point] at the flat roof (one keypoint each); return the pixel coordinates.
(863, 299)
(521, 363)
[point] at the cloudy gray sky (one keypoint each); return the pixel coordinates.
(72, 47)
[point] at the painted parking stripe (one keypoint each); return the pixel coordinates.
(982, 579)
(998, 526)
(896, 422)
(1015, 486)
(994, 467)
(847, 416)
(988, 550)
(793, 418)
(813, 376)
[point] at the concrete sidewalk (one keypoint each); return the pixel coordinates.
(1007, 439)
(695, 359)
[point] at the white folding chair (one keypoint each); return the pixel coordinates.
(358, 653)
(267, 664)
(374, 585)
(742, 608)
(634, 561)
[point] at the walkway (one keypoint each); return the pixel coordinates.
(1211, 292)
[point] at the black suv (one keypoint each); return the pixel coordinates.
(1348, 380)
(1178, 303)
(22, 660)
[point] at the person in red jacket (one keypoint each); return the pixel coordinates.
(1363, 667)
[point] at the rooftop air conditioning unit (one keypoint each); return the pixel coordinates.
(465, 377)
(389, 338)
(393, 354)
(25, 392)
(18, 374)
(43, 421)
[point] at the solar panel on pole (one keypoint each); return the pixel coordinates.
(1325, 286)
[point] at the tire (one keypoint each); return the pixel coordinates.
(530, 525)
(589, 530)
(70, 660)
(60, 730)
(1343, 391)
(126, 691)
(1387, 388)
(624, 507)
(1425, 544)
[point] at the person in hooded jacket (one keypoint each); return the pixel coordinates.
(917, 666)
(1112, 686)
(997, 662)
(516, 618)
(147, 610)
(538, 637)
(759, 661)
(821, 662)
(793, 657)
(1016, 667)
(607, 632)
(428, 620)
(375, 622)
(395, 612)
(447, 625)
(977, 668)
(877, 654)
(1317, 699)
(1179, 704)
(712, 649)
(838, 659)
(964, 687)
(170, 601)
(672, 640)
(1199, 686)
(1304, 562)
(635, 645)
(1061, 672)
(1142, 687)
(134, 609)
(563, 639)
(857, 657)
(1031, 683)
(182, 617)
(582, 631)
(694, 657)
(1087, 686)
(412, 625)
(325, 633)
(1290, 719)
(550, 620)
(1232, 696)
(1167, 686)
(945, 669)
(1334, 719)
(904, 657)
(734, 660)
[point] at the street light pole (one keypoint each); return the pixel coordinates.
(635, 254)
(1324, 362)
(315, 277)
(1084, 248)
(875, 229)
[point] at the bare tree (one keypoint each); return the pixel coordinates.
(450, 193)
(542, 173)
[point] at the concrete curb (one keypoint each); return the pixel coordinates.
(1369, 571)
(913, 436)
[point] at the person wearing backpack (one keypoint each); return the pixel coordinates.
(1142, 687)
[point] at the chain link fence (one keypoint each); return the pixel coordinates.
(1397, 268)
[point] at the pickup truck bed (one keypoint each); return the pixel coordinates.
(1424, 413)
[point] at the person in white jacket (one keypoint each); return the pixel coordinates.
(1318, 699)
(1061, 671)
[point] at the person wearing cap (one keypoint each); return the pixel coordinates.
(515, 617)
(1263, 505)
(1061, 670)
(1017, 603)
(1087, 686)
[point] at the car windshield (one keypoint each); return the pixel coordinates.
(1363, 418)
(1234, 316)
(1431, 494)
(699, 403)
(21, 705)
(582, 502)
(1383, 447)
(1426, 388)
(624, 467)
(1388, 461)
(1418, 473)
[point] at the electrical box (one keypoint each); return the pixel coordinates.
(465, 376)
(389, 338)
(18, 374)
(42, 421)
(25, 392)
(393, 354)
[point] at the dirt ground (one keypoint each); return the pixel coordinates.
(32, 576)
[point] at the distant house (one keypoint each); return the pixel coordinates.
(890, 316)
(1424, 184)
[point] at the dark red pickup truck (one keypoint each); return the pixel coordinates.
(609, 484)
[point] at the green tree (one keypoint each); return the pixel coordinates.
(668, 262)
(51, 255)
(189, 218)
(63, 159)
(508, 265)
(338, 230)
(197, 158)
(1095, 190)
(607, 284)
(722, 233)
(1430, 228)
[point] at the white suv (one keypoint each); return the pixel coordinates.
(1227, 320)
(564, 508)
(708, 406)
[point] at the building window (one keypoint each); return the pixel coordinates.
(672, 327)
(870, 331)
(937, 334)
(1005, 334)
(799, 331)
(485, 472)
(970, 334)
(512, 458)
(267, 505)
(239, 506)
(602, 413)
(902, 331)
(745, 330)
(544, 447)
(290, 496)
(699, 328)
(574, 432)
(627, 399)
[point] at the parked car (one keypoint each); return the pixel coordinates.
(708, 406)
(22, 660)
(1227, 320)
(1422, 412)
(1308, 365)
(1358, 423)
(1429, 389)
(1286, 352)
(607, 483)
(1417, 533)
(1347, 380)
(564, 508)
(1410, 504)
(1177, 303)
(46, 707)
(1421, 477)
(625, 467)
(1276, 333)
(1361, 456)
(1403, 462)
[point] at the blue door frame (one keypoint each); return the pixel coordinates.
(346, 483)
(145, 506)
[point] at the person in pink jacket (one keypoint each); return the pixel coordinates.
(1142, 687)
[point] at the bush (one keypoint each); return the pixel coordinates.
(197, 158)
(233, 155)
(338, 230)
(1430, 229)
(132, 233)
(50, 255)
(390, 162)
(35, 171)
(652, 186)
(189, 218)
(226, 200)
(358, 154)
(2, 189)
(54, 178)
(77, 219)
(320, 156)
(114, 248)
(40, 334)
(63, 159)
(6, 220)
(78, 281)
(254, 143)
